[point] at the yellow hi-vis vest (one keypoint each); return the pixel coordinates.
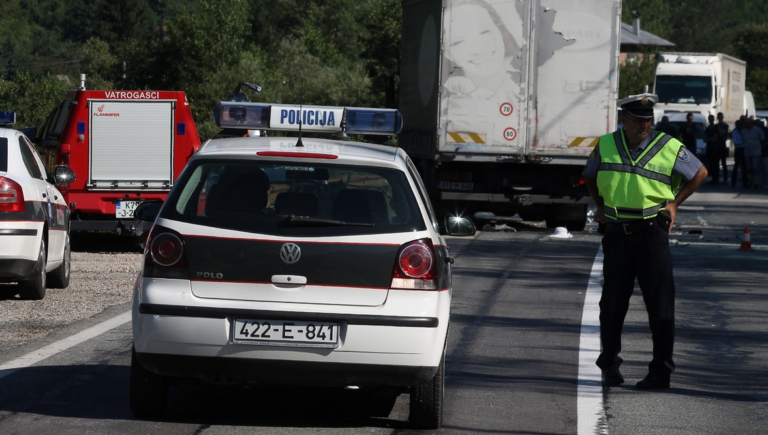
(637, 189)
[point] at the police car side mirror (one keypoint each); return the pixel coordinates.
(459, 226)
(63, 175)
(147, 210)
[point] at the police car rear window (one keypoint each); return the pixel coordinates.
(295, 199)
(3, 154)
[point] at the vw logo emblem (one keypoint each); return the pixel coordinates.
(290, 253)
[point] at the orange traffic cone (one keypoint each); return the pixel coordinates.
(746, 245)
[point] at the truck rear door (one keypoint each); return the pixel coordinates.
(131, 144)
(484, 77)
(576, 76)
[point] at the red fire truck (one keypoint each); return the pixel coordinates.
(123, 146)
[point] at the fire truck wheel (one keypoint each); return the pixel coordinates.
(34, 288)
(59, 278)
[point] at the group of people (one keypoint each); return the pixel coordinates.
(750, 143)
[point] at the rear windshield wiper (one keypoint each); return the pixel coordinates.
(304, 220)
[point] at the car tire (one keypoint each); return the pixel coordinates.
(59, 278)
(148, 391)
(426, 408)
(34, 288)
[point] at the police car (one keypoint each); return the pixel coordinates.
(34, 218)
(292, 260)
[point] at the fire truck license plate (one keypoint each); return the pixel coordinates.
(294, 333)
(124, 209)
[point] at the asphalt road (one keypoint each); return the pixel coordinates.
(513, 353)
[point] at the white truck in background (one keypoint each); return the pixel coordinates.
(706, 83)
(504, 100)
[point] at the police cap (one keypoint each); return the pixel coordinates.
(640, 106)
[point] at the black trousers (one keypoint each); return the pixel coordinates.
(644, 256)
(715, 156)
(739, 162)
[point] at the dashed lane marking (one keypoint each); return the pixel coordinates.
(62, 345)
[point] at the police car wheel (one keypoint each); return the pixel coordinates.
(34, 288)
(148, 391)
(59, 278)
(426, 407)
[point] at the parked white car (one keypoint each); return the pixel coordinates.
(295, 261)
(34, 218)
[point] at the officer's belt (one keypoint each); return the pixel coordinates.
(637, 226)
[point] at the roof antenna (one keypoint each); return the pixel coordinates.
(301, 112)
(342, 133)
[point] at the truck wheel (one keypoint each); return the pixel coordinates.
(571, 216)
(426, 408)
(576, 225)
(59, 278)
(148, 391)
(34, 288)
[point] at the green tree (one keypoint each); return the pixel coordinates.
(639, 71)
(31, 97)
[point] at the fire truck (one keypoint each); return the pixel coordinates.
(124, 147)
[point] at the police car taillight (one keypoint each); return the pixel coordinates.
(11, 196)
(415, 268)
(164, 254)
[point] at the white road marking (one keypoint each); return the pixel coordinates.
(62, 345)
(589, 401)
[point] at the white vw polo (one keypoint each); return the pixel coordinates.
(289, 260)
(34, 219)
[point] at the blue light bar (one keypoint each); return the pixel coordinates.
(322, 119)
(7, 118)
(373, 121)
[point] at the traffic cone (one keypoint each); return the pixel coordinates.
(746, 245)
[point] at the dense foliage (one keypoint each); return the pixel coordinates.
(310, 51)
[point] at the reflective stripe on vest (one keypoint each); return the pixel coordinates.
(636, 189)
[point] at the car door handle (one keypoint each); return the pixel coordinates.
(45, 196)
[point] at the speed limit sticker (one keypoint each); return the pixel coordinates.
(510, 134)
(506, 109)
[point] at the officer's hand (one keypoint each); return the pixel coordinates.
(600, 214)
(672, 209)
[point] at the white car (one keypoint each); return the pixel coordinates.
(34, 218)
(295, 261)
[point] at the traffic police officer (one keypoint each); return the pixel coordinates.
(638, 178)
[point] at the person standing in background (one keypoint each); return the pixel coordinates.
(753, 137)
(738, 155)
(688, 134)
(665, 127)
(723, 145)
(712, 139)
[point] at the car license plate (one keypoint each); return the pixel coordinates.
(124, 209)
(453, 185)
(294, 333)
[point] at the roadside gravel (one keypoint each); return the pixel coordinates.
(98, 280)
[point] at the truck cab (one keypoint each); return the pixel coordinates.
(124, 147)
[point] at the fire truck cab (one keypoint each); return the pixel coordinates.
(124, 147)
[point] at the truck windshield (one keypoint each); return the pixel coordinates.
(684, 89)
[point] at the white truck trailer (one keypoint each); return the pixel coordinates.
(504, 100)
(705, 83)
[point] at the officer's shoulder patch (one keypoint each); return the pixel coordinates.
(683, 156)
